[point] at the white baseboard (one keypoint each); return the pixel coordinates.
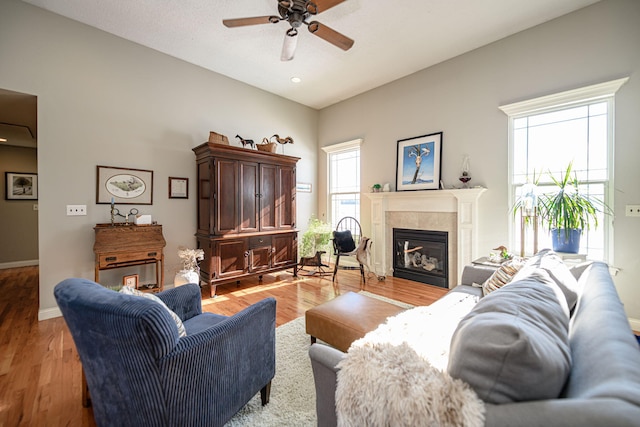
(49, 313)
(635, 324)
(15, 264)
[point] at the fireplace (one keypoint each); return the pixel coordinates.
(422, 256)
(453, 211)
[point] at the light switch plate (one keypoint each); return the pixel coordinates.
(76, 210)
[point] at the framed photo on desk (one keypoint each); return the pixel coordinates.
(130, 281)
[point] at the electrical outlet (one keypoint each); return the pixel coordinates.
(75, 210)
(632, 210)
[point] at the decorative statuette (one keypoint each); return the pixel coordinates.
(465, 175)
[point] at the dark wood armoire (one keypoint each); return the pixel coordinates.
(246, 213)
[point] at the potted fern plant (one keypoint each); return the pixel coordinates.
(567, 212)
(316, 238)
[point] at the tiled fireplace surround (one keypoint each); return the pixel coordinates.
(453, 211)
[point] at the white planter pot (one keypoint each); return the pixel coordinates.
(186, 276)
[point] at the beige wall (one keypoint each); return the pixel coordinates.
(461, 97)
(103, 100)
(106, 101)
(18, 218)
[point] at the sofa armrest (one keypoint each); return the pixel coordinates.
(476, 274)
(185, 301)
(227, 363)
(323, 363)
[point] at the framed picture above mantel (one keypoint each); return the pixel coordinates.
(419, 161)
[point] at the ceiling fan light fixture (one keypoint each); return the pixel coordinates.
(289, 45)
(296, 13)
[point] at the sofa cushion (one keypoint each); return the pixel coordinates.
(558, 271)
(514, 346)
(502, 275)
(128, 290)
(202, 322)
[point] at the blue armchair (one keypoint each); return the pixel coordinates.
(140, 372)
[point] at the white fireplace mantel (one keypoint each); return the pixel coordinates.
(463, 202)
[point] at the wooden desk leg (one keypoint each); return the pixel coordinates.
(86, 398)
(162, 269)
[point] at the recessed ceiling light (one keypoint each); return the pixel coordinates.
(296, 79)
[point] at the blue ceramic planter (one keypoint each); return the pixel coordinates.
(561, 243)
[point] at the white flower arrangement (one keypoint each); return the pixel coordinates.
(190, 258)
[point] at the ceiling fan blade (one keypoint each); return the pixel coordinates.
(330, 35)
(323, 5)
(240, 22)
(289, 46)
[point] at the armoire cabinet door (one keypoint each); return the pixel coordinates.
(287, 197)
(268, 191)
(249, 197)
(285, 247)
(226, 196)
(232, 257)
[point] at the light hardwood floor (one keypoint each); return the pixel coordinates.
(40, 373)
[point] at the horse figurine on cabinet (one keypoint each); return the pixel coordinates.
(246, 142)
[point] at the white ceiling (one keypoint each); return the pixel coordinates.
(393, 38)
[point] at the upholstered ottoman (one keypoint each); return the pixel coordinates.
(343, 320)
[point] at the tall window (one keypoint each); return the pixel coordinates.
(546, 134)
(344, 180)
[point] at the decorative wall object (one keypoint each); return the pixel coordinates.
(419, 161)
(178, 188)
(303, 187)
(21, 186)
(124, 186)
(465, 172)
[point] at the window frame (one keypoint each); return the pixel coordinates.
(602, 92)
(333, 150)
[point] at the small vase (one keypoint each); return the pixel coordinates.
(185, 276)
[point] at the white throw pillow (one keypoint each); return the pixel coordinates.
(502, 275)
(127, 290)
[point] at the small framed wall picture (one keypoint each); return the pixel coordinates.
(21, 186)
(131, 281)
(178, 188)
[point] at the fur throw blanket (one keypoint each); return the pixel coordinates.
(396, 375)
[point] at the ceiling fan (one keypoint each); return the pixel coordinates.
(296, 13)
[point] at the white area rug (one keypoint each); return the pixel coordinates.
(293, 395)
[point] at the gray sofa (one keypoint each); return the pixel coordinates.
(603, 384)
